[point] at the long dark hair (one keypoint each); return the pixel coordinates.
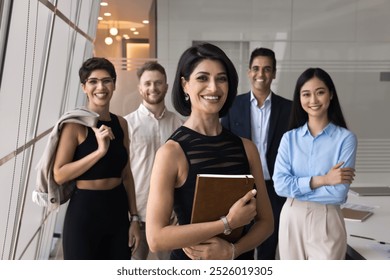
(186, 65)
(299, 116)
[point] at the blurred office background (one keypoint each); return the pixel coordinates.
(44, 42)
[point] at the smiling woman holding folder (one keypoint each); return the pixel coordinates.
(204, 89)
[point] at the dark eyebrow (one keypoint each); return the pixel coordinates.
(203, 73)
(108, 77)
(305, 90)
(207, 73)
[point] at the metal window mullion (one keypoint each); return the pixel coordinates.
(5, 18)
(38, 106)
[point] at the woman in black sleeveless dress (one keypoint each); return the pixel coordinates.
(204, 89)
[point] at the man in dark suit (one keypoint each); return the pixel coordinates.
(262, 116)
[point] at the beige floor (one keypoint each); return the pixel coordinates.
(57, 253)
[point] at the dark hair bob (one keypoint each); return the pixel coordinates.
(188, 61)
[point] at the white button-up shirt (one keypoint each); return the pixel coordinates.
(146, 135)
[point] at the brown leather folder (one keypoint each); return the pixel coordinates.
(215, 194)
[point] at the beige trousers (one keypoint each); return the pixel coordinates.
(311, 231)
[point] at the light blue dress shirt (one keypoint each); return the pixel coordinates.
(259, 127)
(301, 156)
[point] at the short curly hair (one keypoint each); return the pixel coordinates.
(96, 63)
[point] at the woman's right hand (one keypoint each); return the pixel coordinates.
(340, 175)
(103, 136)
(243, 210)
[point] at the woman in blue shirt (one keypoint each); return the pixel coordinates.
(314, 168)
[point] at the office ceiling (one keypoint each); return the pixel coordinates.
(126, 14)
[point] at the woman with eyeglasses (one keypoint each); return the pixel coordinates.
(97, 224)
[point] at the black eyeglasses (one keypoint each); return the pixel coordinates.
(105, 81)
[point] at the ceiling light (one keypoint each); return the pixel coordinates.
(135, 32)
(108, 40)
(145, 21)
(107, 14)
(104, 4)
(100, 18)
(113, 31)
(125, 36)
(133, 29)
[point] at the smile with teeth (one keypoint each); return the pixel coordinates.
(100, 95)
(315, 107)
(211, 97)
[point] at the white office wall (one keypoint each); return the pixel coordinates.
(350, 39)
(45, 48)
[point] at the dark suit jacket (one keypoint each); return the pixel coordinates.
(238, 121)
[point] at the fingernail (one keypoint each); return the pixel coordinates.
(254, 191)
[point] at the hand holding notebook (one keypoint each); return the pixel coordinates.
(214, 196)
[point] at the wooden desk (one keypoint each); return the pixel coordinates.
(377, 226)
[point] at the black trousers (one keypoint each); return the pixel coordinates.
(96, 225)
(267, 250)
(180, 255)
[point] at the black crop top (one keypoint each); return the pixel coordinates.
(113, 162)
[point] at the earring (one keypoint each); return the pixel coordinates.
(186, 97)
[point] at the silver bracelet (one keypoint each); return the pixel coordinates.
(134, 218)
(233, 251)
